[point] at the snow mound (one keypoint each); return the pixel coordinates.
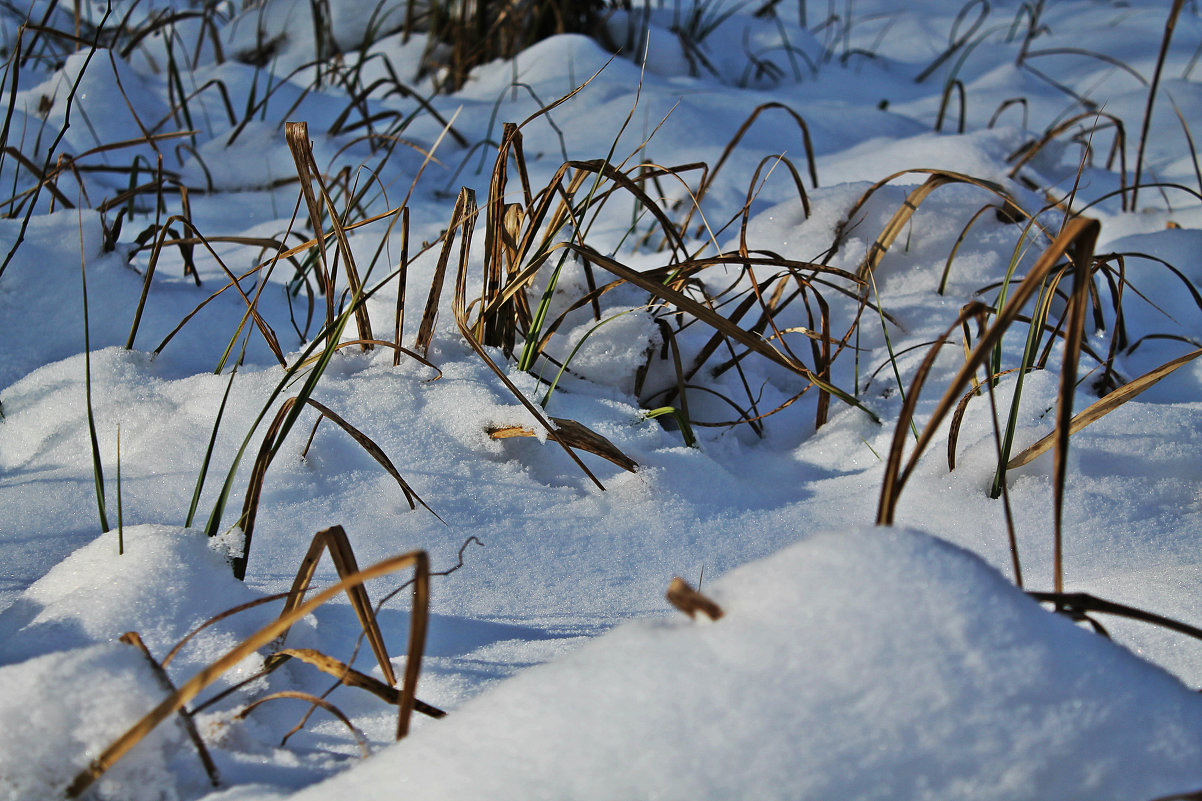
(60, 730)
(877, 663)
(168, 581)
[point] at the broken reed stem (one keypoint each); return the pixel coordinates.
(690, 601)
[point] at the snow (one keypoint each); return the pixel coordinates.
(809, 688)
(852, 661)
(60, 729)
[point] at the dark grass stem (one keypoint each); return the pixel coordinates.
(50, 151)
(120, 518)
(1169, 25)
(901, 389)
(97, 463)
(208, 456)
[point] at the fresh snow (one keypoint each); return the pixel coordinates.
(810, 688)
(852, 662)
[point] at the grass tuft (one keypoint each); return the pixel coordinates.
(352, 582)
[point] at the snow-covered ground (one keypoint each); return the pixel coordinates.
(852, 661)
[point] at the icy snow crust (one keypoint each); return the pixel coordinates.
(852, 662)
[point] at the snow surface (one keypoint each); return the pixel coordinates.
(852, 662)
(809, 688)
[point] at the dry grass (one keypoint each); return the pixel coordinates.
(295, 608)
(799, 317)
(534, 231)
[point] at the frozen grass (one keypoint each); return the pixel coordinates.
(262, 192)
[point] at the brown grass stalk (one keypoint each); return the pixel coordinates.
(876, 252)
(465, 216)
(297, 136)
(336, 542)
(575, 435)
(1104, 406)
(360, 737)
(708, 181)
(718, 322)
(251, 305)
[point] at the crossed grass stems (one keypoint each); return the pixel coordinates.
(798, 316)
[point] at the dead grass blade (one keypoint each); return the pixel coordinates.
(350, 677)
(53, 147)
(953, 430)
(718, 322)
(894, 478)
(360, 737)
(335, 541)
(194, 686)
(251, 305)
(460, 218)
(465, 215)
(402, 276)
(36, 172)
(297, 136)
(708, 181)
(289, 254)
(383, 344)
(1169, 25)
(1080, 249)
(575, 435)
(502, 230)
(175, 649)
(270, 446)
(134, 639)
(752, 191)
(682, 415)
(1027, 152)
(1104, 406)
(951, 256)
(876, 252)
(957, 85)
(47, 176)
(1005, 104)
(956, 41)
(1076, 604)
(1189, 139)
(374, 451)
